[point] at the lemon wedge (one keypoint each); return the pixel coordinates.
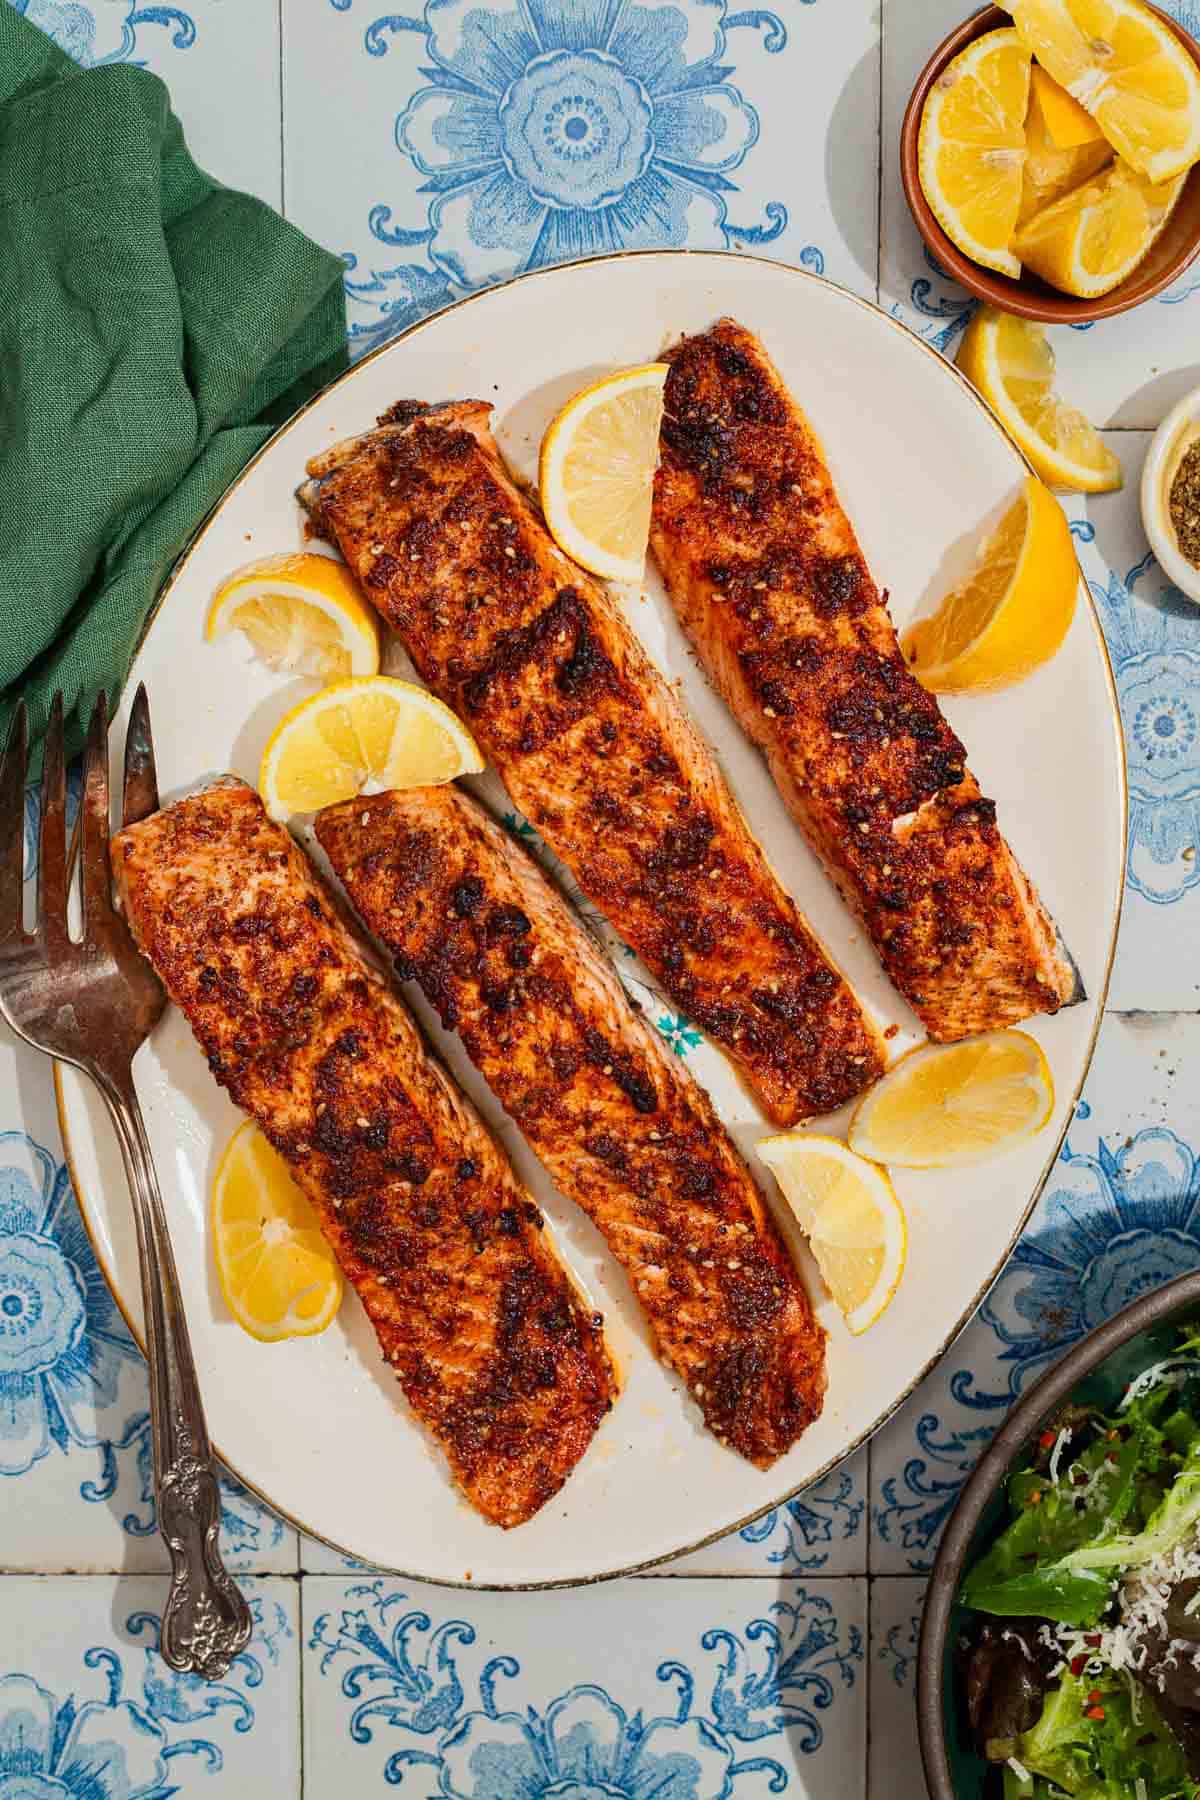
(1014, 609)
(279, 1277)
(848, 1209)
(1087, 242)
(596, 471)
(1064, 147)
(971, 147)
(1125, 67)
(1068, 126)
(1011, 363)
(946, 1105)
(301, 613)
(357, 735)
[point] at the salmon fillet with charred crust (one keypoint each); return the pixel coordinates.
(591, 744)
(472, 1309)
(767, 578)
(620, 1125)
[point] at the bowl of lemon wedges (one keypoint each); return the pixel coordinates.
(1050, 156)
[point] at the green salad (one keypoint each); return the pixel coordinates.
(1080, 1657)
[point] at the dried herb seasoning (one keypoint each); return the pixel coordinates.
(1185, 503)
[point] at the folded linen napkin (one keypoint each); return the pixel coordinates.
(154, 328)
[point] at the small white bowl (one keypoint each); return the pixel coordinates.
(1179, 429)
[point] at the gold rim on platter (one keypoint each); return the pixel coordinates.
(726, 1530)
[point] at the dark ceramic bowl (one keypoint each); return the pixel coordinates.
(1029, 297)
(1096, 1371)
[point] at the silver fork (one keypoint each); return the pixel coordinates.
(92, 1004)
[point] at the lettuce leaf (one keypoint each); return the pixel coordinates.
(1098, 1758)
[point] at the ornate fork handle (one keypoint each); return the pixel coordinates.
(206, 1622)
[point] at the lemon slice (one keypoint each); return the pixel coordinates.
(1064, 147)
(971, 147)
(596, 472)
(362, 735)
(302, 613)
(1087, 242)
(1125, 67)
(1014, 609)
(945, 1105)
(849, 1211)
(279, 1277)
(1011, 363)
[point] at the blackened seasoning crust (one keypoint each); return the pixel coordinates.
(619, 1123)
(766, 575)
(470, 1304)
(592, 745)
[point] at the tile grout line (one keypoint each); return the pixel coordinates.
(300, 1580)
(283, 157)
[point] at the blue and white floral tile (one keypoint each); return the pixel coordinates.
(1119, 1215)
(219, 58)
(894, 1761)
(822, 1531)
(75, 1480)
(1127, 371)
(472, 145)
(89, 1711)
(705, 1689)
(1153, 635)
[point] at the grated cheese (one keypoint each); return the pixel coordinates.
(1171, 1373)
(1060, 1443)
(1022, 1773)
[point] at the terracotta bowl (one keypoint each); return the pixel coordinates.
(1030, 297)
(1097, 1370)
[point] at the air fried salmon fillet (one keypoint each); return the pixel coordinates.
(768, 580)
(622, 1128)
(591, 744)
(445, 1248)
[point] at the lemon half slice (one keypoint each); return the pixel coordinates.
(1087, 242)
(596, 472)
(971, 147)
(301, 613)
(358, 735)
(1014, 609)
(1012, 364)
(279, 1277)
(848, 1209)
(1127, 69)
(945, 1105)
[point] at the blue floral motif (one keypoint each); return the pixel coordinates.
(917, 1504)
(899, 1649)
(69, 1371)
(679, 1033)
(1108, 1228)
(556, 129)
(73, 28)
(123, 1749)
(799, 1530)
(1157, 666)
(774, 1676)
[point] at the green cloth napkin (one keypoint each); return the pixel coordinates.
(154, 328)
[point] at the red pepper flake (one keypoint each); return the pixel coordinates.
(1093, 1640)
(1113, 1436)
(1078, 1664)
(1095, 1712)
(1035, 1499)
(1048, 1440)
(1112, 1458)
(1094, 1697)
